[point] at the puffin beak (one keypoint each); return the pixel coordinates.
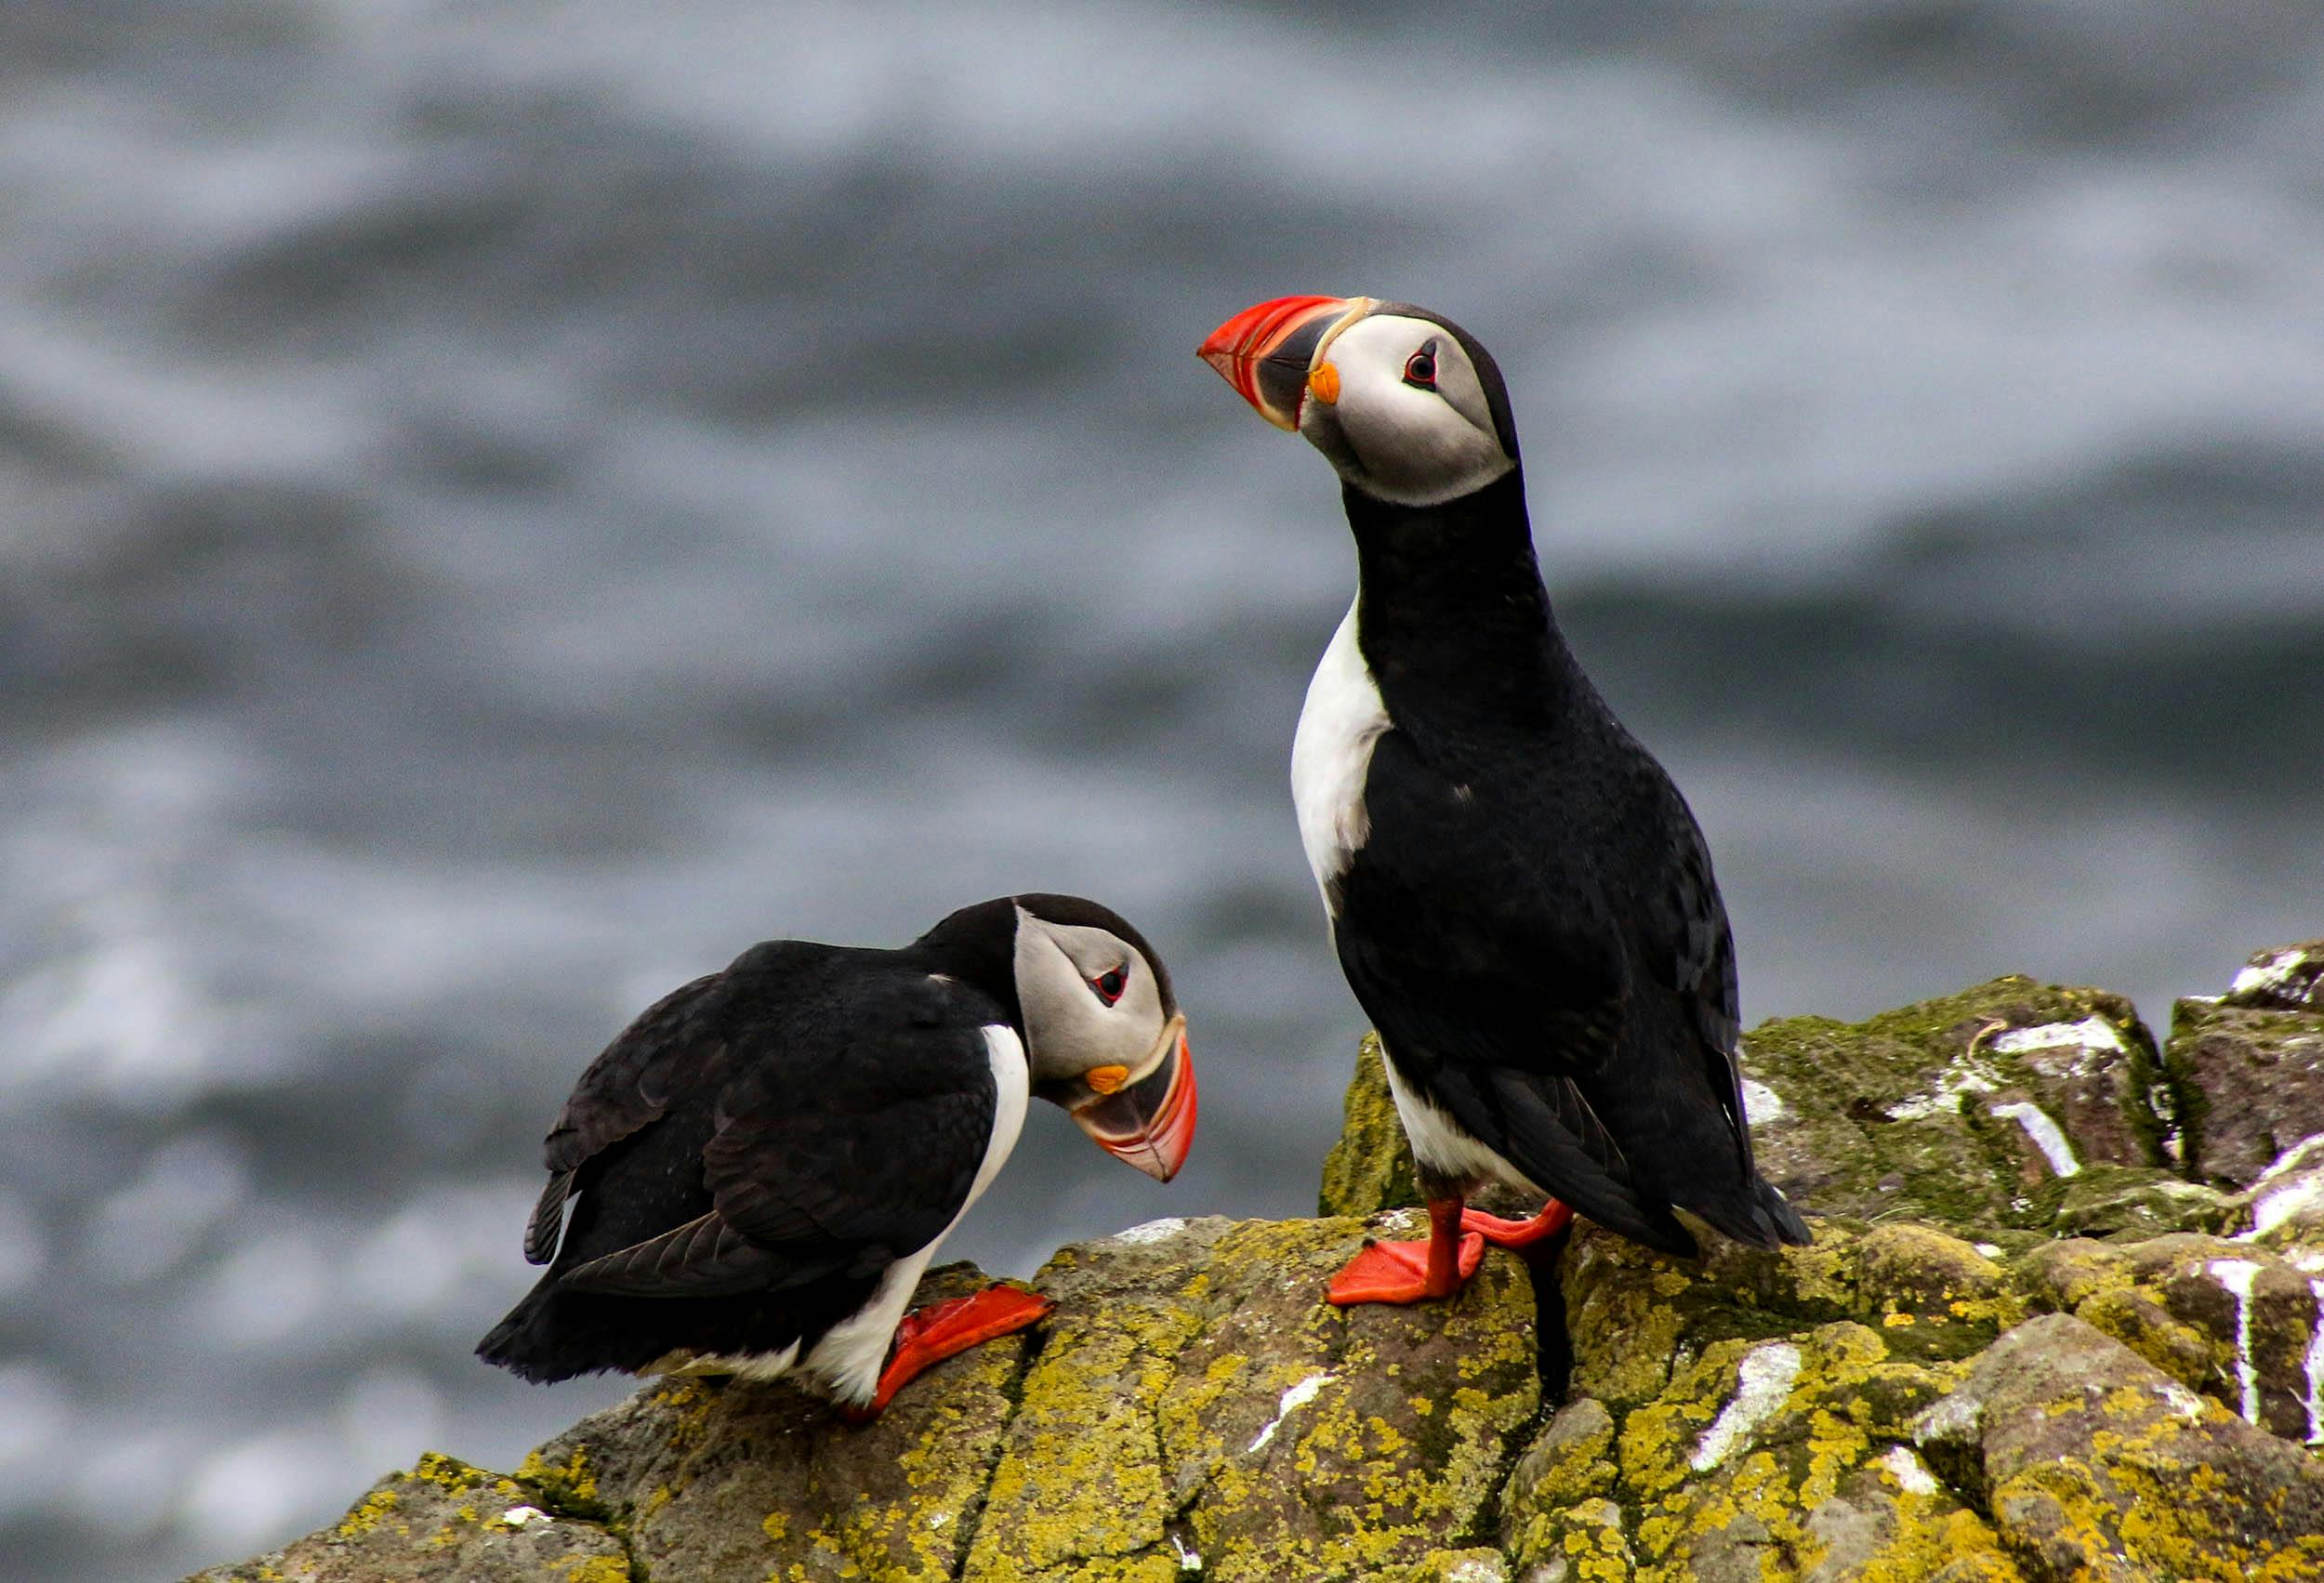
(1149, 1123)
(1268, 350)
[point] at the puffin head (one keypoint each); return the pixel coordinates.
(1404, 403)
(1102, 1031)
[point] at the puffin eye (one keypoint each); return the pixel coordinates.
(1111, 984)
(1419, 369)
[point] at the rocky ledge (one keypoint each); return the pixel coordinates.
(2064, 1318)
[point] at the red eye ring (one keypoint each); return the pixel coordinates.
(1419, 369)
(1111, 984)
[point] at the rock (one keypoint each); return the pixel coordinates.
(2236, 1322)
(2095, 1464)
(710, 1479)
(1252, 1418)
(2289, 978)
(1194, 1396)
(1970, 1110)
(2018, 1376)
(1584, 1540)
(2014, 1105)
(1457, 1566)
(443, 1521)
(2126, 1201)
(2287, 1203)
(2252, 1066)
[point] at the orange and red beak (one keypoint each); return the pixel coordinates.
(1267, 351)
(1149, 1123)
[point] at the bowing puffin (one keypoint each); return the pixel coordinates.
(1519, 896)
(752, 1176)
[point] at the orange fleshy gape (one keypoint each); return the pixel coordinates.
(1324, 384)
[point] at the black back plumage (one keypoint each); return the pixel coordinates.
(1532, 923)
(745, 1160)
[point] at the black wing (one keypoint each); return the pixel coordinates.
(673, 1046)
(1690, 955)
(1690, 940)
(1509, 1007)
(784, 1123)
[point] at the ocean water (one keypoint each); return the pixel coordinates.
(504, 504)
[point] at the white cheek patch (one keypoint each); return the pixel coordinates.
(1415, 447)
(1068, 1028)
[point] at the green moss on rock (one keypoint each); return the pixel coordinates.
(1937, 1111)
(2134, 1201)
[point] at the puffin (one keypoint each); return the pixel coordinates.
(751, 1178)
(1519, 898)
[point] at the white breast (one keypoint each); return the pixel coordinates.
(1444, 1145)
(1332, 753)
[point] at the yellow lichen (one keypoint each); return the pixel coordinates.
(570, 1486)
(367, 1514)
(595, 1569)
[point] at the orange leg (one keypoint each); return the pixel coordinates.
(930, 1335)
(1413, 1272)
(1554, 1218)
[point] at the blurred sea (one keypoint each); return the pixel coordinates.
(503, 504)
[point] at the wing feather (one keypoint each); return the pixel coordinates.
(546, 1227)
(812, 1111)
(703, 1258)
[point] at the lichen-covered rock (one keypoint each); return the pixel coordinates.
(443, 1521)
(1370, 1168)
(711, 1479)
(1971, 1111)
(2250, 1063)
(2239, 1323)
(2129, 1201)
(2286, 1205)
(2022, 1374)
(2095, 1464)
(1760, 1403)
(1196, 1396)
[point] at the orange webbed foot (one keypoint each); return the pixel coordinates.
(930, 1335)
(1399, 1272)
(1554, 1218)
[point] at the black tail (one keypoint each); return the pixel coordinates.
(557, 1333)
(514, 1345)
(1759, 1216)
(1776, 1207)
(554, 1335)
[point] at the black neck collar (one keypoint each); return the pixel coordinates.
(978, 945)
(1451, 615)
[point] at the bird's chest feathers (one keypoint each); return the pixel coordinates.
(1331, 755)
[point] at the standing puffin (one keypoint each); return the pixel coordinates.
(1519, 896)
(752, 1176)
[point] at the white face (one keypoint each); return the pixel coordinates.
(1090, 1001)
(1397, 406)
